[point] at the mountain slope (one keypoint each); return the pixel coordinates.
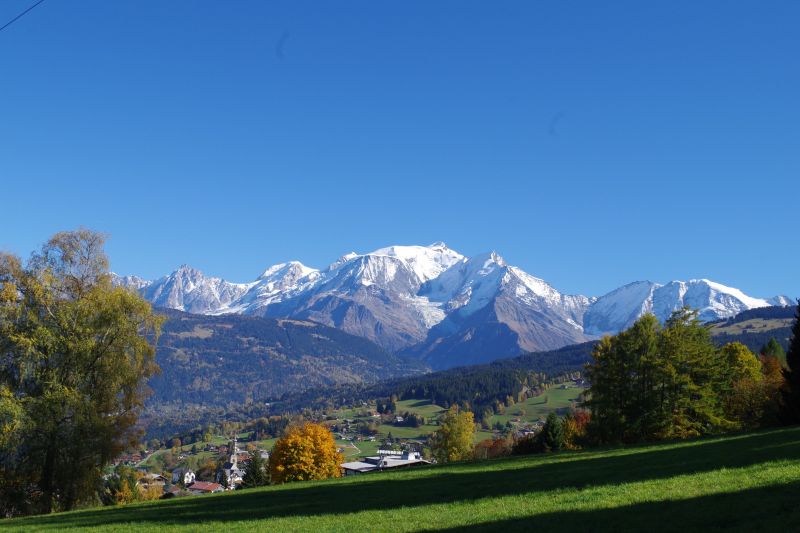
(214, 360)
(496, 310)
(374, 295)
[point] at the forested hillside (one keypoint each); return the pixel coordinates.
(216, 360)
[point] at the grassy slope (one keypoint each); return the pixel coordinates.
(530, 410)
(755, 325)
(741, 483)
(538, 407)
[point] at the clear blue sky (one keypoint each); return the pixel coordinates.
(590, 143)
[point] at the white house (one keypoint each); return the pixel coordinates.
(183, 476)
(383, 462)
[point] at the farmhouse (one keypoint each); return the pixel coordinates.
(205, 487)
(383, 462)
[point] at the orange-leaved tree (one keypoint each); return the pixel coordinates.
(305, 452)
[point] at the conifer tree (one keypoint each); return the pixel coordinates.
(774, 349)
(256, 474)
(790, 410)
(553, 433)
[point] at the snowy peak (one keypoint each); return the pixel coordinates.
(342, 260)
(487, 280)
(188, 289)
(426, 262)
(472, 281)
(293, 270)
(130, 282)
(782, 301)
(618, 309)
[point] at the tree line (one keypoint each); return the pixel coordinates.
(655, 382)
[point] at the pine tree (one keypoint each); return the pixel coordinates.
(790, 410)
(774, 349)
(553, 433)
(256, 474)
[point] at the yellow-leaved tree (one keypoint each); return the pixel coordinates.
(305, 452)
(453, 440)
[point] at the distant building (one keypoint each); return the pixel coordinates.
(384, 462)
(204, 487)
(152, 480)
(231, 473)
(183, 476)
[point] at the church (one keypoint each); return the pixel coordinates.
(231, 473)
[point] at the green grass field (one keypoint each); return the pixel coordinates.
(528, 411)
(755, 325)
(538, 407)
(746, 482)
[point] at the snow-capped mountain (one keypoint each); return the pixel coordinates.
(374, 295)
(187, 289)
(618, 309)
(494, 310)
(436, 304)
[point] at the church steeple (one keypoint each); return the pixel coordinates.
(233, 449)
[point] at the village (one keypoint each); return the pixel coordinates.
(371, 437)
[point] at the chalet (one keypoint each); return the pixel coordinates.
(384, 462)
(205, 487)
(152, 480)
(183, 476)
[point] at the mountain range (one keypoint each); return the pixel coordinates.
(435, 304)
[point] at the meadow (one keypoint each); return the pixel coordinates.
(519, 415)
(746, 482)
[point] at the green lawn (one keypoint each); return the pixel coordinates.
(747, 482)
(538, 407)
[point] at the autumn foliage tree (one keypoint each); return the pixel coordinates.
(493, 448)
(75, 354)
(744, 390)
(575, 424)
(305, 452)
(453, 440)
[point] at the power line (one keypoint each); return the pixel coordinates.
(12, 21)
